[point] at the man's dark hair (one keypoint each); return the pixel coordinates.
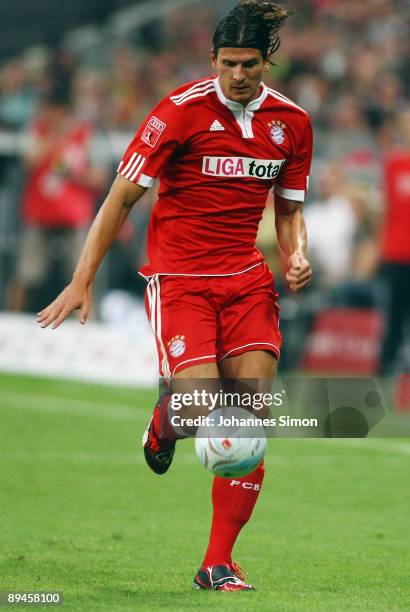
(252, 24)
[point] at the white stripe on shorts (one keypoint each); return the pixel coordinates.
(154, 301)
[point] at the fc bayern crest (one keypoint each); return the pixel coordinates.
(177, 346)
(277, 131)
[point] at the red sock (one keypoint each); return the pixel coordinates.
(233, 503)
(161, 420)
(160, 417)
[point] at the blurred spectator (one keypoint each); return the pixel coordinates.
(366, 205)
(17, 99)
(60, 195)
(331, 227)
(88, 93)
(360, 288)
(395, 250)
(350, 133)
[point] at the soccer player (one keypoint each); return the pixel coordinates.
(218, 146)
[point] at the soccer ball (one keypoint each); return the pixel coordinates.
(230, 457)
(230, 452)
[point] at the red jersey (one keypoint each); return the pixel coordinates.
(216, 161)
(51, 199)
(396, 238)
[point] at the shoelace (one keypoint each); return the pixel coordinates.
(238, 571)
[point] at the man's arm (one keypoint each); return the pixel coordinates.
(291, 232)
(108, 222)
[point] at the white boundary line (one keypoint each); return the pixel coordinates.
(68, 406)
(186, 456)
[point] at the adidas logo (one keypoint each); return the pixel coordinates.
(217, 127)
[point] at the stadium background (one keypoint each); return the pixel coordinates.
(72, 496)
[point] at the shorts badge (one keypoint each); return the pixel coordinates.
(277, 131)
(177, 346)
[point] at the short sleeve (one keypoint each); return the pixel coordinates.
(153, 144)
(293, 181)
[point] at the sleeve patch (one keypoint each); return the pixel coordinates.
(153, 131)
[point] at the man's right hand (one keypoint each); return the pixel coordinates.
(76, 296)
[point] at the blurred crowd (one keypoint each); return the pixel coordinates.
(345, 62)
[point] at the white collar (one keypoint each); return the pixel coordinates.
(254, 105)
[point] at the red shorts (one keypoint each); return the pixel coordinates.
(206, 319)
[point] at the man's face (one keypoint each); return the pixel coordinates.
(240, 72)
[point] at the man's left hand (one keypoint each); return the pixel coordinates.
(299, 274)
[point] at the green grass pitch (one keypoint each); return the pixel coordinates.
(81, 513)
